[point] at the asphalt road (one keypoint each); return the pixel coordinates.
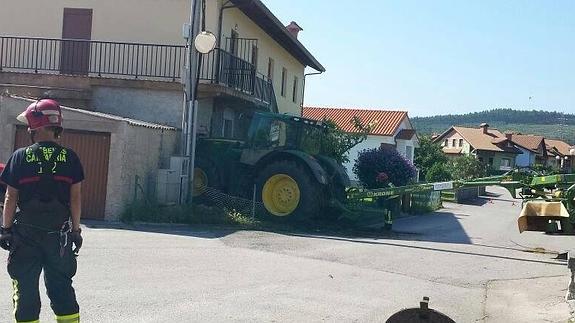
(469, 259)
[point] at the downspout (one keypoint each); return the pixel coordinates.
(220, 23)
(303, 87)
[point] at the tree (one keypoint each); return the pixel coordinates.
(336, 143)
(377, 167)
(427, 155)
(439, 172)
(466, 167)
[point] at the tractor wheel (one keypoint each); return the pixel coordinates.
(205, 177)
(289, 192)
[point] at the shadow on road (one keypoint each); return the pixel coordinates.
(435, 227)
(469, 253)
(385, 238)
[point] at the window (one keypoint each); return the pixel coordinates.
(454, 143)
(446, 143)
(284, 81)
(460, 142)
(506, 162)
(490, 161)
(271, 68)
(294, 93)
(228, 123)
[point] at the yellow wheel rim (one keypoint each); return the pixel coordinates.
(281, 195)
(200, 182)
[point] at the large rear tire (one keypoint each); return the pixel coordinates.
(289, 192)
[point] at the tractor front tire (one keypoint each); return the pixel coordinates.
(206, 177)
(289, 192)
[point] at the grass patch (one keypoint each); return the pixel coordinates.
(185, 214)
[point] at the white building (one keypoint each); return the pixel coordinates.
(390, 128)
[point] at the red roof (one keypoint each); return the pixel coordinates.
(530, 142)
(385, 123)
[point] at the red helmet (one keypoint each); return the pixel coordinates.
(42, 113)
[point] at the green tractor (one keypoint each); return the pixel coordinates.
(282, 157)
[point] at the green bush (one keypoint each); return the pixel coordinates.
(466, 167)
(427, 156)
(438, 172)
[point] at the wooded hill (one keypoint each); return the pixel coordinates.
(553, 125)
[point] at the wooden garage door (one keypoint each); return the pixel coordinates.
(93, 148)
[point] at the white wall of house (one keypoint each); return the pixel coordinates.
(455, 140)
(126, 20)
(527, 158)
(406, 148)
(268, 48)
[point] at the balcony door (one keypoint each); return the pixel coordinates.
(75, 54)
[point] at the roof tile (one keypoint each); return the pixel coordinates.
(493, 140)
(562, 147)
(530, 142)
(386, 123)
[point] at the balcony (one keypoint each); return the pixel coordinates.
(132, 61)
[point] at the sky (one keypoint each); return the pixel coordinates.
(438, 57)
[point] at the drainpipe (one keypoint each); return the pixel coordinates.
(221, 19)
(220, 23)
(303, 87)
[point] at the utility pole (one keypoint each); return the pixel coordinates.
(198, 42)
(189, 122)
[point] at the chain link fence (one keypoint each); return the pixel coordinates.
(247, 207)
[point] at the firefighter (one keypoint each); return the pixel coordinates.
(44, 182)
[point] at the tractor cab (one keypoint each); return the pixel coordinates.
(282, 132)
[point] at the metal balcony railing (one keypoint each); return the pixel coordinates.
(94, 58)
(130, 61)
(221, 67)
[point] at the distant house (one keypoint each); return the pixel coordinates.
(490, 146)
(560, 154)
(533, 148)
(391, 128)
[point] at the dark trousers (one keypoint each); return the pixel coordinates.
(33, 251)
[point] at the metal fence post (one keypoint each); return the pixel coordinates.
(36, 58)
(1, 53)
(254, 203)
(571, 289)
(137, 59)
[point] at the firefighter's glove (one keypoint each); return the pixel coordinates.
(76, 239)
(5, 238)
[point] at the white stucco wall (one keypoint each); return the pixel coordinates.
(151, 21)
(267, 47)
(465, 148)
